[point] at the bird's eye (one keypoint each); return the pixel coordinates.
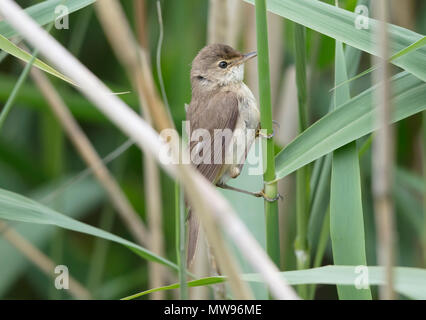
(223, 64)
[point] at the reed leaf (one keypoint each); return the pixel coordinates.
(410, 282)
(44, 13)
(346, 215)
(15, 207)
(349, 122)
(418, 44)
(9, 47)
(339, 24)
(77, 201)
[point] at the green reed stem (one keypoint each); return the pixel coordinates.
(9, 103)
(23, 76)
(270, 188)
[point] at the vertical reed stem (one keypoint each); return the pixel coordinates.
(270, 188)
(383, 153)
(23, 76)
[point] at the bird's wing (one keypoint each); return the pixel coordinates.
(221, 112)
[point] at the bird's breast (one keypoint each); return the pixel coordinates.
(247, 108)
(244, 133)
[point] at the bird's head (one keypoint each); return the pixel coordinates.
(218, 64)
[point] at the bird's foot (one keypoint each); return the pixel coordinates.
(259, 133)
(265, 197)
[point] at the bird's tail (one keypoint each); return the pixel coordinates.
(193, 231)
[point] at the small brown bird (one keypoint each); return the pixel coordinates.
(220, 101)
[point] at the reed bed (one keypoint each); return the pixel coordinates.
(353, 73)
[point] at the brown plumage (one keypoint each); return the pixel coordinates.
(220, 100)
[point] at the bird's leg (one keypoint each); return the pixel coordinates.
(225, 186)
(259, 133)
(265, 197)
(259, 194)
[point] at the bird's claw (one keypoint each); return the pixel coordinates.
(259, 133)
(266, 136)
(262, 194)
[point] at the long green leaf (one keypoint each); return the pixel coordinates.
(319, 219)
(349, 122)
(346, 216)
(413, 47)
(80, 107)
(320, 182)
(44, 13)
(77, 201)
(339, 24)
(410, 282)
(9, 47)
(16, 207)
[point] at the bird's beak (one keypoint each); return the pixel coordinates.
(246, 57)
(249, 55)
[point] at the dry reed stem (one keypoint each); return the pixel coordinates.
(200, 267)
(121, 204)
(40, 260)
(134, 59)
(151, 173)
(236, 17)
(404, 13)
(211, 206)
(224, 21)
(220, 26)
(276, 52)
(383, 155)
(155, 223)
(218, 22)
(139, 7)
(249, 43)
(89, 155)
(121, 39)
